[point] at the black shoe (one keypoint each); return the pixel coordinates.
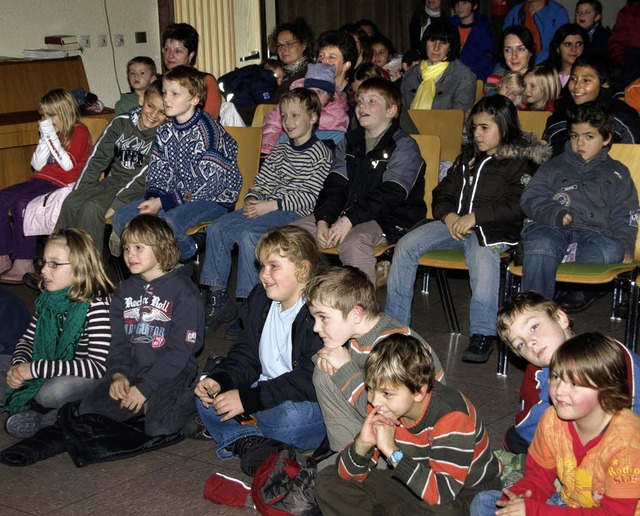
(194, 429)
(233, 331)
(576, 301)
(26, 423)
(211, 363)
(32, 280)
(254, 449)
(480, 347)
(220, 309)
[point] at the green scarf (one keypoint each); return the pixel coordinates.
(58, 330)
(427, 89)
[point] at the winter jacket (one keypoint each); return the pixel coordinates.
(492, 190)
(157, 329)
(42, 212)
(385, 185)
(556, 132)
(455, 89)
(241, 368)
(250, 85)
(333, 117)
(625, 33)
(479, 50)
(599, 40)
(548, 20)
(598, 194)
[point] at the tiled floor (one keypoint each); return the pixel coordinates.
(171, 481)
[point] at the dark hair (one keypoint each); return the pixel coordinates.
(143, 60)
(386, 89)
(344, 42)
(363, 38)
(597, 6)
(601, 66)
(383, 41)
(186, 34)
(300, 30)
(473, 3)
(366, 71)
(364, 21)
(421, 15)
(504, 114)
(568, 29)
(525, 36)
(596, 361)
(308, 99)
(593, 113)
(441, 29)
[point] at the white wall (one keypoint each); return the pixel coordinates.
(24, 23)
(610, 9)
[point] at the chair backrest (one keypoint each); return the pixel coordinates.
(249, 140)
(260, 112)
(534, 122)
(479, 90)
(430, 150)
(629, 154)
(96, 126)
(446, 124)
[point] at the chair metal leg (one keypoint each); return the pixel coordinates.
(425, 282)
(503, 359)
(631, 331)
(447, 301)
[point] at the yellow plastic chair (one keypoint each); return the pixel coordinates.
(534, 122)
(260, 112)
(447, 124)
(479, 90)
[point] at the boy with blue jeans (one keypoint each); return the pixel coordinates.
(193, 173)
(582, 207)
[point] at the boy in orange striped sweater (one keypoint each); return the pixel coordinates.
(430, 434)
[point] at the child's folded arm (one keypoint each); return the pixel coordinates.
(350, 380)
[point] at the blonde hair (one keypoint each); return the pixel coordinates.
(188, 77)
(596, 361)
(512, 78)
(155, 232)
(297, 245)
(61, 103)
(548, 81)
(343, 288)
(89, 277)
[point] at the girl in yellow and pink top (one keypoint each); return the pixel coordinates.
(589, 440)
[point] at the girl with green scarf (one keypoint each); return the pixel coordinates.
(63, 353)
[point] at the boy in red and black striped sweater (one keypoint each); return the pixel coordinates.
(431, 435)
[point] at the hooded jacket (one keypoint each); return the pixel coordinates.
(385, 184)
(492, 189)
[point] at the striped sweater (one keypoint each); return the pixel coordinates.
(90, 359)
(293, 176)
(444, 452)
(350, 377)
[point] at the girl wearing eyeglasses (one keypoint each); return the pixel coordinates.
(63, 353)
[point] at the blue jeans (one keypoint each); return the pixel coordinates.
(298, 423)
(236, 228)
(484, 274)
(545, 246)
(484, 503)
(180, 218)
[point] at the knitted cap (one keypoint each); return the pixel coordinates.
(321, 76)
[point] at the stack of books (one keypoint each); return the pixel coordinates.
(57, 46)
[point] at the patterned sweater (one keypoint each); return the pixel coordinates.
(90, 359)
(196, 160)
(446, 450)
(293, 176)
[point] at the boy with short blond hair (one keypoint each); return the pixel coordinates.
(534, 327)
(343, 304)
(431, 435)
(375, 190)
(193, 172)
(141, 72)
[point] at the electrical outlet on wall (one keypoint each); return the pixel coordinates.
(85, 41)
(101, 40)
(118, 40)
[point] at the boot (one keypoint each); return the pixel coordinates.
(5, 263)
(14, 275)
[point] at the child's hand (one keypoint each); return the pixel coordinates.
(332, 359)
(463, 226)
(386, 435)
(16, 377)
(514, 505)
(229, 404)
(368, 436)
(449, 221)
(151, 206)
(339, 231)
(322, 234)
(110, 212)
(627, 258)
(207, 390)
(134, 401)
(567, 219)
(47, 129)
(254, 208)
(119, 388)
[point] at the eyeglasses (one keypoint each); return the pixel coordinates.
(51, 265)
(286, 45)
(174, 51)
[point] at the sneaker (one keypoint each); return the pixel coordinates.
(32, 280)
(480, 347)
(220, 309)
(25, 424)
(233, 331)
(114, 244)
(576, 301)
(252, 451)
(194, 428)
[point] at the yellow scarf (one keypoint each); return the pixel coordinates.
(427, 89)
